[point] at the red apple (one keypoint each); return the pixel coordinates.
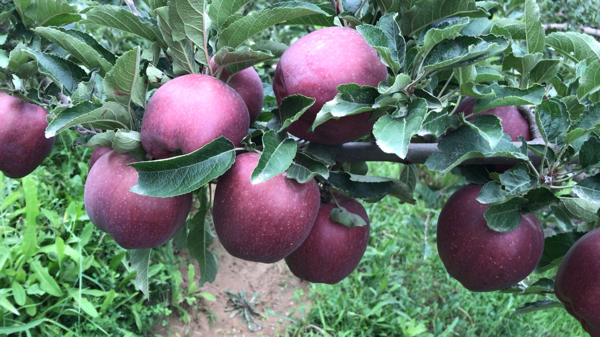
(577, 282)
(480, 258)
(314, 66)
(332, 250)
(247, 83)
(264, 222)
(98, 152)
(134, 221)
(189, 112)
(23, 144)
(512, 121)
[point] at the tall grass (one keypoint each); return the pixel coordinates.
(402, 289)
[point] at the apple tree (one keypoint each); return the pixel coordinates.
(453, 85)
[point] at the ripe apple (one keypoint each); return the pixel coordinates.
(23, 144)
(332, 250)
(264, 222)
(248, 85)
(314, 66)
(134, 221)
(189, 112)
(98, 152)
(577, 282)
(480, 258)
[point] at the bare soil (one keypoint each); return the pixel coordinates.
(279, 290)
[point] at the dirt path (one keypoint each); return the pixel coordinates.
(278, 290)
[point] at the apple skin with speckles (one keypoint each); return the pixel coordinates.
(96, 154)
(264, 222)
(23, 144)
(577, 283)
(189, 112)
(247, 84)
(134, 221)
(332, 250)
(480, 258)
(314, 66)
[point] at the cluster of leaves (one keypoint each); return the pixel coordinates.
(575, 13)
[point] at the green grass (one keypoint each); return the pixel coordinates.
(402, 289)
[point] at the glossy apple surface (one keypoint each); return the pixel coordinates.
(314, 66)
(480, 258)
(96, 154)
(23, 144)
(189, 112)
(134, 221)
(577, 283)
(332, 250)
(264, 222)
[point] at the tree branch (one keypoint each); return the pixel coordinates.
(564, 26)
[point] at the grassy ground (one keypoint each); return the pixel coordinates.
(402, 289)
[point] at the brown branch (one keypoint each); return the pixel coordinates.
(564, 26)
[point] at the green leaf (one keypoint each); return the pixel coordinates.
(589, 83)
(507, 96)
(437, 122)
(535, 35)
(123, 83)
(220, 10)
(369, 187)
(22, 328)
(553, 121)
(521, 63)
(292, 107)
(491, 193)
(323, 20)
(182, 51)
(488, 126)
(239, 31)
(517, 179)
(183, 174)
(536, 306)
(109, 116)
(505, 217)
(47, 282)
(409, 174)
(122, 19)
(343, 216)
(539, 199)
(277, 156)
(555, 247)
(84, 303)
(352, 99)
(516, 29)
(320, 152)
(377, 39)
(448, 30)
(18, 293)
(396, 43)
(387, 6)
(64, 73)
(589, 154)
(426, 12)
(305, 169)
(241, 58)
(462, 51)
(32, 204)
(198, 241)
(103, 139)
(192, 14)
(393, 134)
(589, 188)
(545, 71)
(52, 12)
(128, 142)
(574, 46)
(140, 261)
(78, 48)
(581, 209)
(541, 286)
(5, 303)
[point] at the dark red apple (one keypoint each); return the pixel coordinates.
(332, 250)
(134, 221)
(314, 66)
(23, 144)
(577, 282)
(480, 258)
(98, 152)
(247, 83)
(264, 222)
(512, 121)
(189, 112)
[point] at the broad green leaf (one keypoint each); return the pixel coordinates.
(387, 6)
(535, 35)
(377, 39)
(277, 156)
(555, 247)
(574, 46)
(541, 286)
(393, 134)
(199, 240)
(400, 82)
(140, 262)
(589, 189)
(322, 20)
(478, 174)
(130, 142)
(545, 71)
(589, 154)
(32, 204)
(581, 209)
(343, 216)
(52, 12)
(486, 75)
(109, 116)
(47, 282)
(478, 26)
(553, 121)
(182, 51)
(305, 169)
(18, 293)
(84, 304)
(292, 107)
(462, 51)
(241, 30)
(396, 43)
(6, 304)
(409, 175)
(64, 73)
(541, 305)
(437, 122)
(183, 174)
(589, 83)
(241, 58)
(539, 199)
(521, 63)
(320, 152)
(122, 19)
(79, 49)
(426, 12)
(505, 217)
(220, 10)
(369, 187)
(491, 193)
(103, 139)
(517, 180)
(352, 99)
(488, 126)
(446, 31)
(516, 29)
(506, 96)
(123, 83)
(192, 13)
